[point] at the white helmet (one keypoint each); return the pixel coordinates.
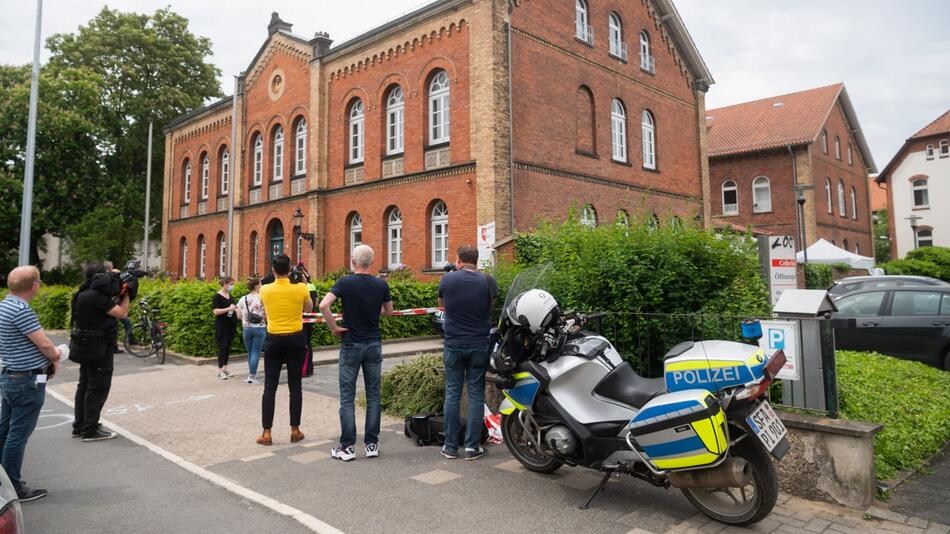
(534, 309)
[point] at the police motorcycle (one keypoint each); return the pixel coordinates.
(570, 398)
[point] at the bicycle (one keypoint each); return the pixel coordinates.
(147, 337)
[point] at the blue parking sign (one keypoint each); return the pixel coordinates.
(776, 339)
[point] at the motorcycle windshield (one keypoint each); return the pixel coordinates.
(537, 277)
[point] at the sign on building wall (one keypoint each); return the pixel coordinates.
(486, 244)
(777, 254)
(782, 335)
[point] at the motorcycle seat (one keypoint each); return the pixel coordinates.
(623, 384)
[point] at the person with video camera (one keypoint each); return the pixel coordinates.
(101, 300)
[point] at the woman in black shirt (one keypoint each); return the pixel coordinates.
(225, 324)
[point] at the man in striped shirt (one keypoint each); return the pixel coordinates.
(27, 355)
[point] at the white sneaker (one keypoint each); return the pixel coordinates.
(345, 454)
(228, 372)
(251, 379)
(372, 450)
(222, 375)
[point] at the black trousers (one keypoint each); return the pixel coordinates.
(224, 339)
(281, 350)
(308, 357)
(95, 381)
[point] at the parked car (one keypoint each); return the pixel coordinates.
(11, 517)
(910, 323)
(853, 283)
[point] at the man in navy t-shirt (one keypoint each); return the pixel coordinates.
(467, 296)
(364, 298)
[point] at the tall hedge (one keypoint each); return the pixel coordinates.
(924, 261)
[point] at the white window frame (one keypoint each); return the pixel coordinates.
(850, 155)
(944, 148)
(222, 256)
(588, 216)
(225, 170)
(842, 205)
(356, 132)
(356, 232)
(837, 148)
(761, 182)
(828, 199)
(648, 131)
(187, 197)
(278, 154)
(184, 260)
(854, 203)
(730, 209)
(394, 238)
(300, 148)
(205, 176)
(202, 258)
(615, 36)
(439, 226)
(646, 55)
(930, 152)
(582, 30)
(255, 253)
(440, 122)
(395, 121)
(929, 239)
(824, 141)
(920, 185)
(258, 160)
(618, 130)
(857, 248)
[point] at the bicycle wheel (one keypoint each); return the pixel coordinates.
(138, 342)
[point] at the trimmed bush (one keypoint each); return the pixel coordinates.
(818, 276)
(939, 256)
(911, 267)
(414, 387)
(910, 399)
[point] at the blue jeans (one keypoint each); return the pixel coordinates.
(464, 365)
(22, 401)
(254, 341)
(353, 357)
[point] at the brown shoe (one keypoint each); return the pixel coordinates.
(265, 438)
(295, 434)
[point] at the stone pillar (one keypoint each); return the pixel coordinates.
(167, 200)
(806, 177)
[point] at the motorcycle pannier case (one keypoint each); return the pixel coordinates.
(681, 430)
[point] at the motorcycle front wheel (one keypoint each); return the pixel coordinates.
(523, 450)
(741, 506)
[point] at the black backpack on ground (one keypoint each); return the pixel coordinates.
(429, 429)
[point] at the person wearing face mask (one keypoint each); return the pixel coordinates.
(225, 324)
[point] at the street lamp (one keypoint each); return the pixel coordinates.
(800, 198)
(913, 227)
(298, 228)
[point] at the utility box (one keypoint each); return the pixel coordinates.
(803, 304)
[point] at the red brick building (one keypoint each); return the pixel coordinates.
(410, 137)
(760, 151)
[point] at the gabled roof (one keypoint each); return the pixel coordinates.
(212, 107)
(940, 125)
(780, 121)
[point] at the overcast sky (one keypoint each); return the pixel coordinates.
(894, 57)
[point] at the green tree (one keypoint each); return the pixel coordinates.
(103, 233)
(882, 239)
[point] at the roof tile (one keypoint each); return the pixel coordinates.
(937, 127)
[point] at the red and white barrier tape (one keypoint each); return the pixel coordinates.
(315, 317)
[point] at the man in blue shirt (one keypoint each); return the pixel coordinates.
(467, 296)
(29, 357)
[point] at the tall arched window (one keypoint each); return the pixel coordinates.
(439, 121)
(623, 218)
(278, 153)
(255, 253)
(395, 120)
(205, 175)
(618, 130)
(730, 198)
(648, 131)
(222, 255)
(186, 199)
(617, 47)
(585, 124)
(854, 204)
(300, 147)
(394, 238)
(275, 235)
(921, 195)
(589, 216)
(258, 160)
(828, 200)
(850, 155)
(439, 224)
(846, 245)
(184, 258)
(225, 170)
(202, 257)
(356, 232)
(837, 148)
(761, 195)
(582, 22)
(356, 132)
(646, 58)
(842, 207)
(857, 248)
(824, 141)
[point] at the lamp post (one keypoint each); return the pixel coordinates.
(26, 214)
(298, 229)
(913, 227)
(800, 198)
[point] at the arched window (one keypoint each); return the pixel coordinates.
(846, 243)
(258, 160)
(842, 207)
(589, 216)
(925, 237)
(828, 201)
(854, 204)
(222, 255)
(648, 127)
(850, 155)
(582, 22)
(255, 253)
(205, 175)
(225, 170)
(761, 195)
(275, 235)
(356, 232)
(202, 257)
(921, 196)
(394, 234)
(646, 58)
(857, 248)
(439, 121)
(439, 221)
(395, 119)
(585, 121)
(837, 148)
(623, 218)
(730, 198)
(187, 182)
(278, 153)
(824, 141)
(300, 147)
(184, 258)
(356, 132)
(617, 47)
(618, 130)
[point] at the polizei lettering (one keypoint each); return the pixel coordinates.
(702, 376)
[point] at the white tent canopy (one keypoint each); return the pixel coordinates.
(822, 251)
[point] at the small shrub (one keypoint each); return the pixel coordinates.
(939, 256)
(818, 276)
(400, 274)
(414, 387)
(52, 306)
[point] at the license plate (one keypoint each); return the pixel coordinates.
(766, 425)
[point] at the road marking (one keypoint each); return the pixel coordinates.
(257, 457)
(301, 517)
(437, 476)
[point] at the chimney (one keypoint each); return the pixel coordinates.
(321, 44)
(276, 24)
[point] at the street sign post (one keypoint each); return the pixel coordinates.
(777, 257)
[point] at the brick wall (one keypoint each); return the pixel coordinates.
(776, 165)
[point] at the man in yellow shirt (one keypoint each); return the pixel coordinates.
(285, 344)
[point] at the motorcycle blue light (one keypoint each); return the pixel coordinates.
(751, 329)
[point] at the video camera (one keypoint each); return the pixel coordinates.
(119, 284)
(299, 274)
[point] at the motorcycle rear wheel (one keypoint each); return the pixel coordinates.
(741, 506)
(522, 448)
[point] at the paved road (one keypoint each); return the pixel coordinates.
(927, 494)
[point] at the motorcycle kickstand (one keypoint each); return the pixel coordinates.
(600, 488)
